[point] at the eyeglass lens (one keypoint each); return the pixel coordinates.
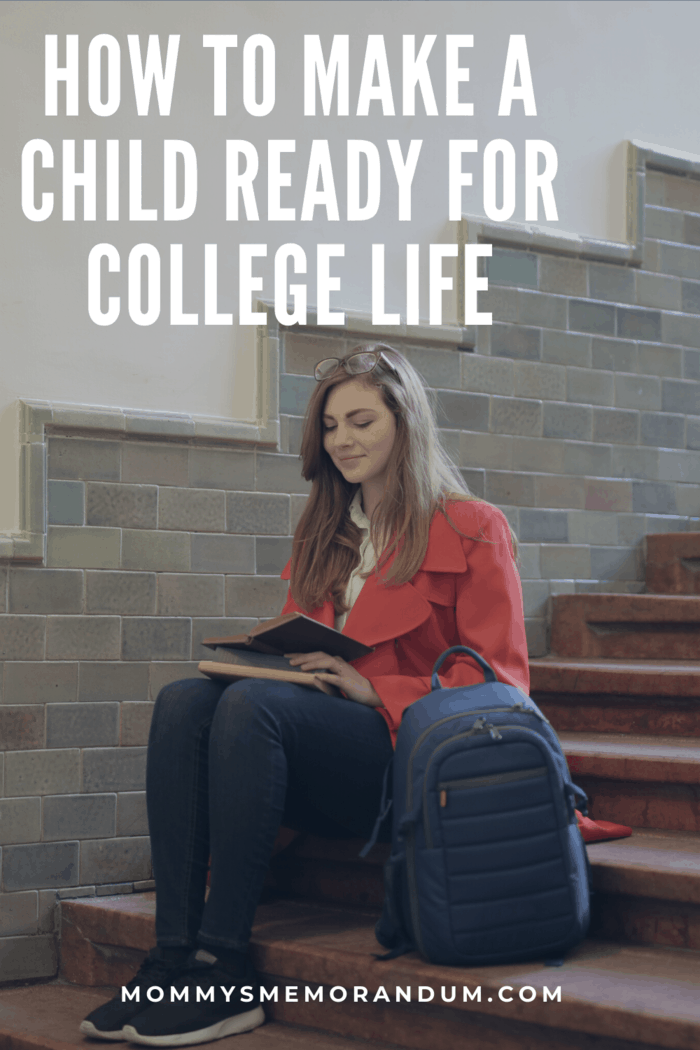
(354, 365)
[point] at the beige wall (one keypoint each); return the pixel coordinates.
(601, 75)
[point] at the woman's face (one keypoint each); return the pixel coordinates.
(358, 431)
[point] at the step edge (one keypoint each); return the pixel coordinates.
(313, 963)
(21, 1039)
(584, 1010)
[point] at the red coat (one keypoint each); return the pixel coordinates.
(466, 592)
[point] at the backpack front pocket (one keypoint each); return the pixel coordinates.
(495, 808)
(491, 779)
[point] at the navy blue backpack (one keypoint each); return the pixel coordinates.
(487, 863)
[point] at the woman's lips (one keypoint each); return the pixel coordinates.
(349, 459)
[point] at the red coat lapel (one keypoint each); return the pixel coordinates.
(384, 612)
(445, 552)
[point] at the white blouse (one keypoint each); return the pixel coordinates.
(368, 558)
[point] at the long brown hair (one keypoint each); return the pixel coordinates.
(421, 478)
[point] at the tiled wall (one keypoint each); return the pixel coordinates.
(577, 412)
(151, 547)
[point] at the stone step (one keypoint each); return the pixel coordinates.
(618, 997)
(47, 1016)
(653, 876)
(659, 697)
(626, 626)
(672, 561)
(581, 675)
(646, 887)
(628, 756)
(640, 780)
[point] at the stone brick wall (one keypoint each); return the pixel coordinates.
(577, 412)
(584, 403)
(151, 547)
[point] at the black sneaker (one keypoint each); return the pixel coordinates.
(180, 1020)
(107, 1021)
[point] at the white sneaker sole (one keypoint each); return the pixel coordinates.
(88, 1028)
(229, 1026)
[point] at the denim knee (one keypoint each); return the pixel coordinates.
(256, 712)
(183, 705)
(242, 707)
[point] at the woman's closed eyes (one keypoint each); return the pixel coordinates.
(360, 426)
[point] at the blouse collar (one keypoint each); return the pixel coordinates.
(356, 512)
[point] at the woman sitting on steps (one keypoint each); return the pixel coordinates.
(390, 546)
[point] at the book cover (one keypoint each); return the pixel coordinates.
(248, 657)
(226, 670)
(294, 633)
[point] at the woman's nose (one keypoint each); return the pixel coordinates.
(342, 436)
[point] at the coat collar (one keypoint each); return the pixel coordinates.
(382, 612)
(445, 552)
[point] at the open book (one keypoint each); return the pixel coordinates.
(260, 653)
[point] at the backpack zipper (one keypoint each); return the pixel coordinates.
(517, 706)
(424, 734)
(492, 778)
(426, 825)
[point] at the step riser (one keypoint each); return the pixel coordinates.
(637, 920)
(677, 578)
(651, 921)
(626, 627)
(316, 880)
(672, 563)
(665, 716)
(84, 962)
(642, 804)
(671, 680)
(626, 644)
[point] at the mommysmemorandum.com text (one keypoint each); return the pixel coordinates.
(292, 993)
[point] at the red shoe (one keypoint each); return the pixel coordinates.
(598, 830)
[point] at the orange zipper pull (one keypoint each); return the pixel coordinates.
(443, 799)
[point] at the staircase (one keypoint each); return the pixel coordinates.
(622, 688)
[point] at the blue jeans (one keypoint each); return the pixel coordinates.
(227, 765)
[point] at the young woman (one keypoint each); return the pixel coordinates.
(392, 550)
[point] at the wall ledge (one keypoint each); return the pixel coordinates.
(40, 419)
(452, 336)
(640, 157)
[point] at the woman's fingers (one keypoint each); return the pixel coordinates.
(354, 685)
(338, 672)
(316, 661)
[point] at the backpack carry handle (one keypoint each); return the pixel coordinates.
(489, 673)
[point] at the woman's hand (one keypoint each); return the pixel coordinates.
(343, 675)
